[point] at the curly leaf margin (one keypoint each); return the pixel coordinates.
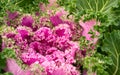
(111, 44)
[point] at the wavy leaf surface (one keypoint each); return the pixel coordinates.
(96, 5)
(111, 44)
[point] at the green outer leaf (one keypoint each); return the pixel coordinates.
(7, 73)
(2, 63)
(96, 5)
(111, 44)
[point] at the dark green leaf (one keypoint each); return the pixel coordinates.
(111, 44)
(96, 5)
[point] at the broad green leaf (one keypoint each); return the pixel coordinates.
(111, 45)
(7, 73)
(96, 5)
(2, 63)
(97, 9)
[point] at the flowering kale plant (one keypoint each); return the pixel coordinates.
(56, 41)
